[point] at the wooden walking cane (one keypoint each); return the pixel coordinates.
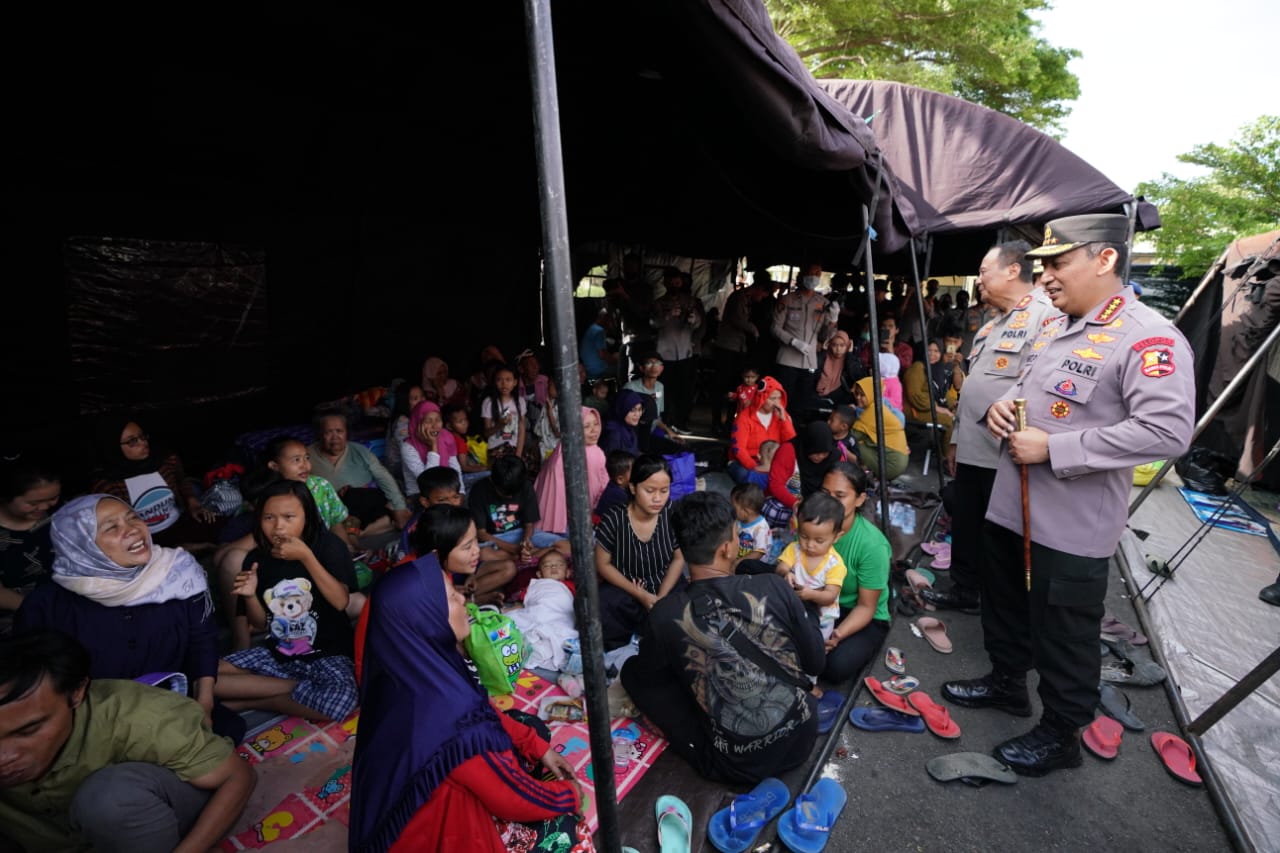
(1020, 412)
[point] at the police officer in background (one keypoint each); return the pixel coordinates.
(1109, 384)
(999, 350)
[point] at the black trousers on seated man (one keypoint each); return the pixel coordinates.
(1052, 629)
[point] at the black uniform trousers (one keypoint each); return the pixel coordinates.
(1053, 628)
(972, 487)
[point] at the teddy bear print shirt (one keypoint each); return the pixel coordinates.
(301, 623)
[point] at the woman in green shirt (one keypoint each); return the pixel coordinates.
(864, 597)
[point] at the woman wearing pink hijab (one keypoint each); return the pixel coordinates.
(429, 444)
(550, 486)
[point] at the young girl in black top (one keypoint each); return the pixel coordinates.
(295, 585)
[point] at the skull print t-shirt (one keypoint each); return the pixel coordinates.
(301, 623)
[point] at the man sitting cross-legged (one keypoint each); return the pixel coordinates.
(725, 662)
(108, 765)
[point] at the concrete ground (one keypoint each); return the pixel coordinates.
(1129, 804)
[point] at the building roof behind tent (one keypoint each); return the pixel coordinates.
(960, 167)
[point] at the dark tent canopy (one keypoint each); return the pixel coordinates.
(382, 166)
(960, 168)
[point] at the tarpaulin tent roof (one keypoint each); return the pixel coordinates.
(697, 128)
(961, 167)
(385, 160)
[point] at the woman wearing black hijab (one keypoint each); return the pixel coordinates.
(797, 471)
(153, 482)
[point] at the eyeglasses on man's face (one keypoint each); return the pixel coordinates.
(135, 440)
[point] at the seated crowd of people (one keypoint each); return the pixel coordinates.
(258, 598)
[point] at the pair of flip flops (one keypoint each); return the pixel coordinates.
(972, 768)
(804, 828)
(936, 717)
(895, 661)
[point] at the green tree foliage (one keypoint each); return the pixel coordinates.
(985, 51)
(1238, 196)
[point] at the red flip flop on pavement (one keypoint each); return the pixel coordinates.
(1177, 756)
(1102, 737)
(887, 698)
(936, 717)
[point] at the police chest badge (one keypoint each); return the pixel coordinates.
(1066, 388)
(1157, 362)
(1100, 338)
(1060, 408)
(1019, 320)
(1089, 353)
(1002, 362)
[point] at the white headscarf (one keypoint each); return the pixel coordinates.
(81, 566)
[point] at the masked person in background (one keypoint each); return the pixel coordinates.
(802, 321)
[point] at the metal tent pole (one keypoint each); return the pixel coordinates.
(555, 238)
(1132, 210)
(935, 435)
(877, 392)
(1219, 404)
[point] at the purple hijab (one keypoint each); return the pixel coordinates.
(422, 712)
(617, 433)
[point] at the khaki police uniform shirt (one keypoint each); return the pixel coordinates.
(999, 349)
(1113, 389)
(118, 721)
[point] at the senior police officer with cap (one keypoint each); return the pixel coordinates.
(1109, 385)
(999, 350)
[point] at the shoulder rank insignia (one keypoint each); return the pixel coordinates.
(1060, 408)
(1157, 362)
(1066, 387)
(1110, 309)
(1089, 353)
(1100, 338)
(1152, 342)
(1023, 302)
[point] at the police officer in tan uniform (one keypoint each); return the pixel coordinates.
(999, 349)
(1108, 384)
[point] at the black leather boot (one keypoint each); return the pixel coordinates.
(1050, 746)
(994, 690)
(957, 598)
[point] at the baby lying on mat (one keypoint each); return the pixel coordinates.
(546, 620)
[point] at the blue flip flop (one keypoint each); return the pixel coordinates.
(675, 824)
(828, 710)
(734, 829)
(806, 827)
(885, 720)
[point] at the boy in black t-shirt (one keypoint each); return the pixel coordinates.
(505, 508)
(725, 662)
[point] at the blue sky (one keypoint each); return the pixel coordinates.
(1158, 78)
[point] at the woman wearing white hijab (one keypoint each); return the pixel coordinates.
(138, 608)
